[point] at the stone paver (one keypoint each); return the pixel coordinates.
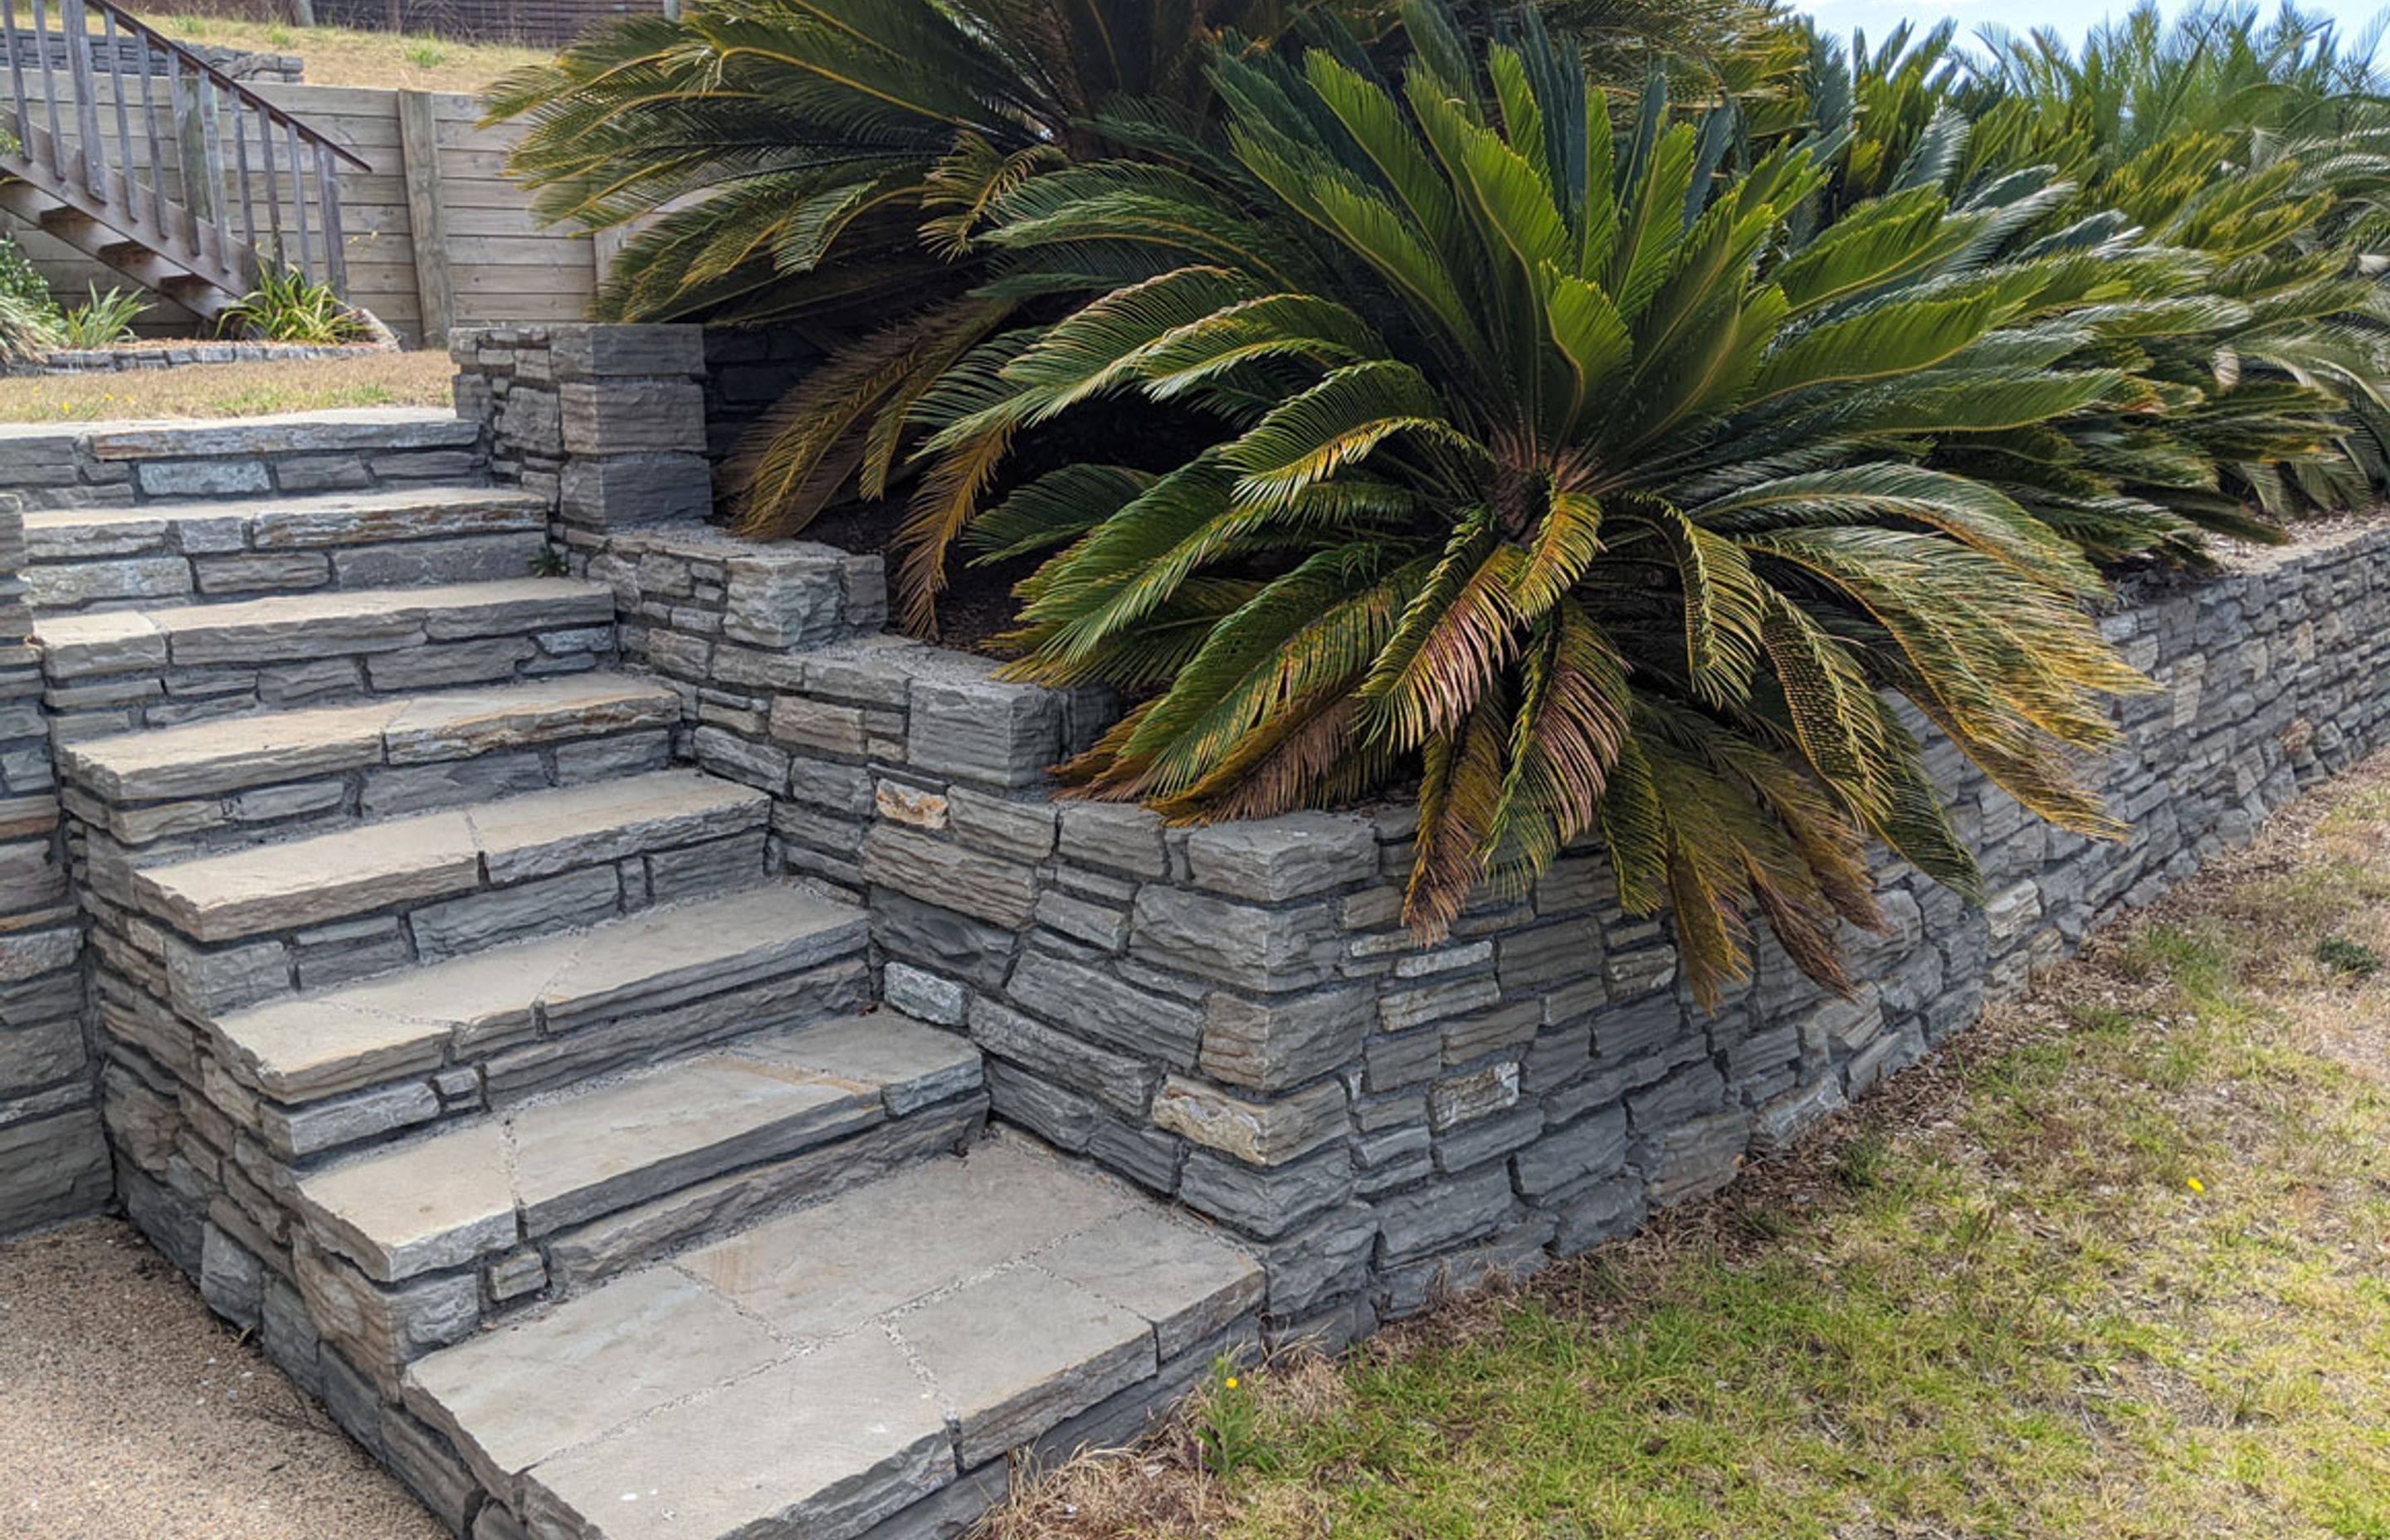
(1013, 1354)
(816, 1272)
(433, 1202)
(216, 757)
(920, 1324)
(1188, 1284)
(315, 625)
(618, 1145)
(821, 1447)
(302, 1048)
(521, 1395)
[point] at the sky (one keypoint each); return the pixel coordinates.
(2072, 18)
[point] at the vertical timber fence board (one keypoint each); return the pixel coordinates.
(418, 136)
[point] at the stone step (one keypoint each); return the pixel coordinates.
(464, 1194)
(189, 552)
(529, 1016)
(357, 429)
(872, 1360)
(317, 879)
(116, 671)
(243, 926)
(205, 784)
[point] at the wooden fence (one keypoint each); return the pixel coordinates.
(437, 237)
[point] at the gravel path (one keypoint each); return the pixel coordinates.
(127, 1412)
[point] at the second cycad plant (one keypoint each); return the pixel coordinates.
(1547, 473)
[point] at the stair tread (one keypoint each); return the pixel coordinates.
(295, 611)
(222, 754)
(287, 432)
(319, 1044)
(326, 877)
(446, 1198)
(286, 522)
(801, 1377)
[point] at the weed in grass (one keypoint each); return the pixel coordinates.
(278, 37)
(426, 55)
(1860, 1167)
(1228, 1427)
(2349, 958)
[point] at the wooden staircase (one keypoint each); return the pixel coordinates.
(131, 147)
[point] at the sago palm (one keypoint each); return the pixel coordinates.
(2252, 312)
(1540, 471)
(827, 162)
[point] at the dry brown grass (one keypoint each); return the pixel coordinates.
(2115, 1263)
(231, 390)
(337, 56)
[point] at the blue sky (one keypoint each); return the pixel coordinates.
(2072, 17)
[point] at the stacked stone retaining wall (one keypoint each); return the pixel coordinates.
(1234, 1016)
(52, 1162)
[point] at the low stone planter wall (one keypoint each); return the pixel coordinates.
(66, 361)
(53, 1160)
(80, 465)
(1234, 1017)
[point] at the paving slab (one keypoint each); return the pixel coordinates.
(520, 1394)
(439, 1201)
(315, 625)
(551, 831)
(816, 1272)
(299, 1049)
(821, 1447)
(1013, 1355)
(350, 871)
(617, 1145)
(913, 1064)
(301, 882)
(1188, 1284)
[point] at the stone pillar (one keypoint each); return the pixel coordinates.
(607, 420)
(53, 1160)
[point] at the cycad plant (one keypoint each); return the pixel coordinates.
(823, 162)
(828, 163)
(1540, 468)
(2255, 313)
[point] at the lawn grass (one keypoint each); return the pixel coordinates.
(2116, 1264)
(231, 390)
(338, 56)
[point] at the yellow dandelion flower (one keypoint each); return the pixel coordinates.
(2195, 1184)
(1230, 1381)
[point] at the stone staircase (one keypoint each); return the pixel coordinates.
(470, 1047)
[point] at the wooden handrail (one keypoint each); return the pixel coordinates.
(208, 219)
(198, 65)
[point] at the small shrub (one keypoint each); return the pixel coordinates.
(287, 306)
(29, 321)
(102, 320)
